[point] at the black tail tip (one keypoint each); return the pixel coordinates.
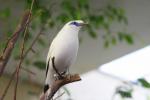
(46, 87)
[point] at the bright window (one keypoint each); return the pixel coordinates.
(130, 67)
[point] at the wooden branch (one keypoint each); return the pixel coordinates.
(59, 83)
(8, 85)
(12, 41)
(25, 54)
(21, 60)
(22, 52)
(28, 71)
(22, 27)
(34, 41)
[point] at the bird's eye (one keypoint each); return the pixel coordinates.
(74, 23)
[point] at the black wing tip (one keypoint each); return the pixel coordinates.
(47, 67)
(46, 87)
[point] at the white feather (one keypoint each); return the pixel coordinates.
(64, 48)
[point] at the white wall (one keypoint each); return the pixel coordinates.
(98, 86)
(91, 52)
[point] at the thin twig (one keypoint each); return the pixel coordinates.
(25, 54)
(34, 41)
(28, 71)
(22, 52)
(8, 50)
(12, 41)
(8, 85)
(18, 68)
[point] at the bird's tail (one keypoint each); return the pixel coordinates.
(44, 93)
(46, 87)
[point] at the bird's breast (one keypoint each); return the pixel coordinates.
(65, 52)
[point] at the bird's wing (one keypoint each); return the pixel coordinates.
(49, 57)
(47, 66)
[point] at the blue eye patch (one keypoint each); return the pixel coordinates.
(75, 23)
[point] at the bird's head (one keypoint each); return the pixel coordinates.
(76, 24)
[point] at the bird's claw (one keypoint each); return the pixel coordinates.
(69, 76)
(59, 77)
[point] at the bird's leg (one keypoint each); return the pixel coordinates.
(68, 73)
(57, 77)
(58, 74)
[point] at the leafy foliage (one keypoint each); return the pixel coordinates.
(124, 91)
(5, 13)
(144, 83)
(126, 37)
(125, 94)
(68, 93)
(45, 17)
(40, 64)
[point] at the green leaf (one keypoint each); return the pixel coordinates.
(113, 40)
(96, 21)
(125, 94)
(128, 38)
(40, 64)
(35, 7)
(93, 34)
(144, 83)
(9, 33)
(78, 15)
(27, 61)
(63, 18)
(67, 6)
(50, 23)
(67, 91)
(122, 18)
(44, 14)
(106, 43)
(5, 13)
(83, 4)
(100, 19)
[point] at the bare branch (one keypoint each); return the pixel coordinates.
(8, 85)
(59, 83)
(12, 41)
(25, 54)
(22, 52)
(28, 71)
(34, 41)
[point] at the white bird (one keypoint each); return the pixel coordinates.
(64, 49)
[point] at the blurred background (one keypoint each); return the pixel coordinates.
(116, 29)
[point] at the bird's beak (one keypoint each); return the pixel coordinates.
(83, 24)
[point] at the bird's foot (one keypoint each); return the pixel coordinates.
(60, 76)
(69, 76)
